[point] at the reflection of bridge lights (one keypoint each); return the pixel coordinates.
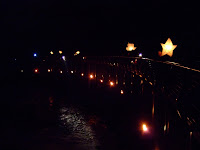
(82, 74)
(111, 83)
(91, 76)
(60, 52)
(122, 92)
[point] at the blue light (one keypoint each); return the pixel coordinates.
(35, 55)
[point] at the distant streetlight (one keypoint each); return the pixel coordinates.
(35, 55)
(140, 54)
(60, 52)
(122, 92)
(78, 52)
(82, 74)
(91, 76)
(144, 128)
(167, 48)
(130, 47)
(64, 58)
(111, 83)
(51, 52)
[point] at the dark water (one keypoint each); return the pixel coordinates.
(72, 113)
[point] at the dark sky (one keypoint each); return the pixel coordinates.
(99, 27)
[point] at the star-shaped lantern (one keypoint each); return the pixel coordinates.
(130, 47)
(167, 48)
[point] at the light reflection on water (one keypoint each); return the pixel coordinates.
(79, 131)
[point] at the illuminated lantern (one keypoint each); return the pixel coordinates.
(51, 52)
(101, 81)
(61, 71)
(49, 70)
(168, 47)
(130, 47)
(82, 74)
(60, 52)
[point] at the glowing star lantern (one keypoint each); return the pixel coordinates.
(168, 47)
(60, 52)
(51, 52)
(130, 47)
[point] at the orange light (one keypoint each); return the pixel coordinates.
(168, 47)
(82, 74)
(36, 70)
(122, 92)
(49, 70)
(111, 83)
(130, 47)
(51, 52)
(144, 128)
(91, 76)
(60, 52)
(101, 81)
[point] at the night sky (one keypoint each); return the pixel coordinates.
(99, 27)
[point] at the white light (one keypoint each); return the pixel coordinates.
(72, 71)
(49, 70)
(64, 58)
(61, 71)
(22, 70)
(35, 55)
(140, 54)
